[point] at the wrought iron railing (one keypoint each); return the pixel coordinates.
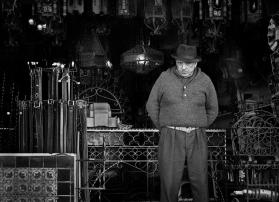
(111, 150)
(255, 141)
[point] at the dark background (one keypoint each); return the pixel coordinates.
(21, 42)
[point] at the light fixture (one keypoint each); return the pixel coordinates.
(75, 6)
(91, 52)
(31, 21)
(40, 27)
(108, 64)
(127, 8)
(155, 16)
(182, 16)
(141, 59)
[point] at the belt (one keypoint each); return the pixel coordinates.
(184, 129)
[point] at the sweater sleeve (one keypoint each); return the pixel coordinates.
(153, 102)
(211, 104)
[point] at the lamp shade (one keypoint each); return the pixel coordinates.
(141, 59)
(90, 51)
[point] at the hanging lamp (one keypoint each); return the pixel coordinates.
(126, 8)
(100, 7)
(141, 59)
(182, 16)
(75, 6)
(155, 16)
(91, 53)
(216, 16)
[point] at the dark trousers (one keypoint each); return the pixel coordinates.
(174, 147)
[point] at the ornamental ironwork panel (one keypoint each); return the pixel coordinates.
(37, 177)
(256, 134)
(256, 141)
(115, 154)
(254, 167)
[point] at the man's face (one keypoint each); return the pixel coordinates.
(185, 69)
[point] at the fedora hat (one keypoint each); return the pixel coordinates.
(186, 53)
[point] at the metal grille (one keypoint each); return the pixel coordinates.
(112, 153)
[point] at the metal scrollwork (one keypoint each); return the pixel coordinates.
(113, 153)
(96, 94)
(256, 134)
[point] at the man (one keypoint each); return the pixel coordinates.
(182, 103)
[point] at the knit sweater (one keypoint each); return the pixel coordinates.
(178, 101)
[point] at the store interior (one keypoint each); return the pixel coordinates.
(75, 79)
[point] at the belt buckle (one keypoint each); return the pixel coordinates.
(188, 130)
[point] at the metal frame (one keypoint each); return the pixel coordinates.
(255, 156)
(107, 149)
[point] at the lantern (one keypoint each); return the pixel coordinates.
(216, 15)
(48, 18)
(141, 59)
(47, 8)
(182, 15)
(155, 16)
(217, 9)
(76, 6)
(100, 7)
(91, 52)
(127, 8)
(93, 61)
